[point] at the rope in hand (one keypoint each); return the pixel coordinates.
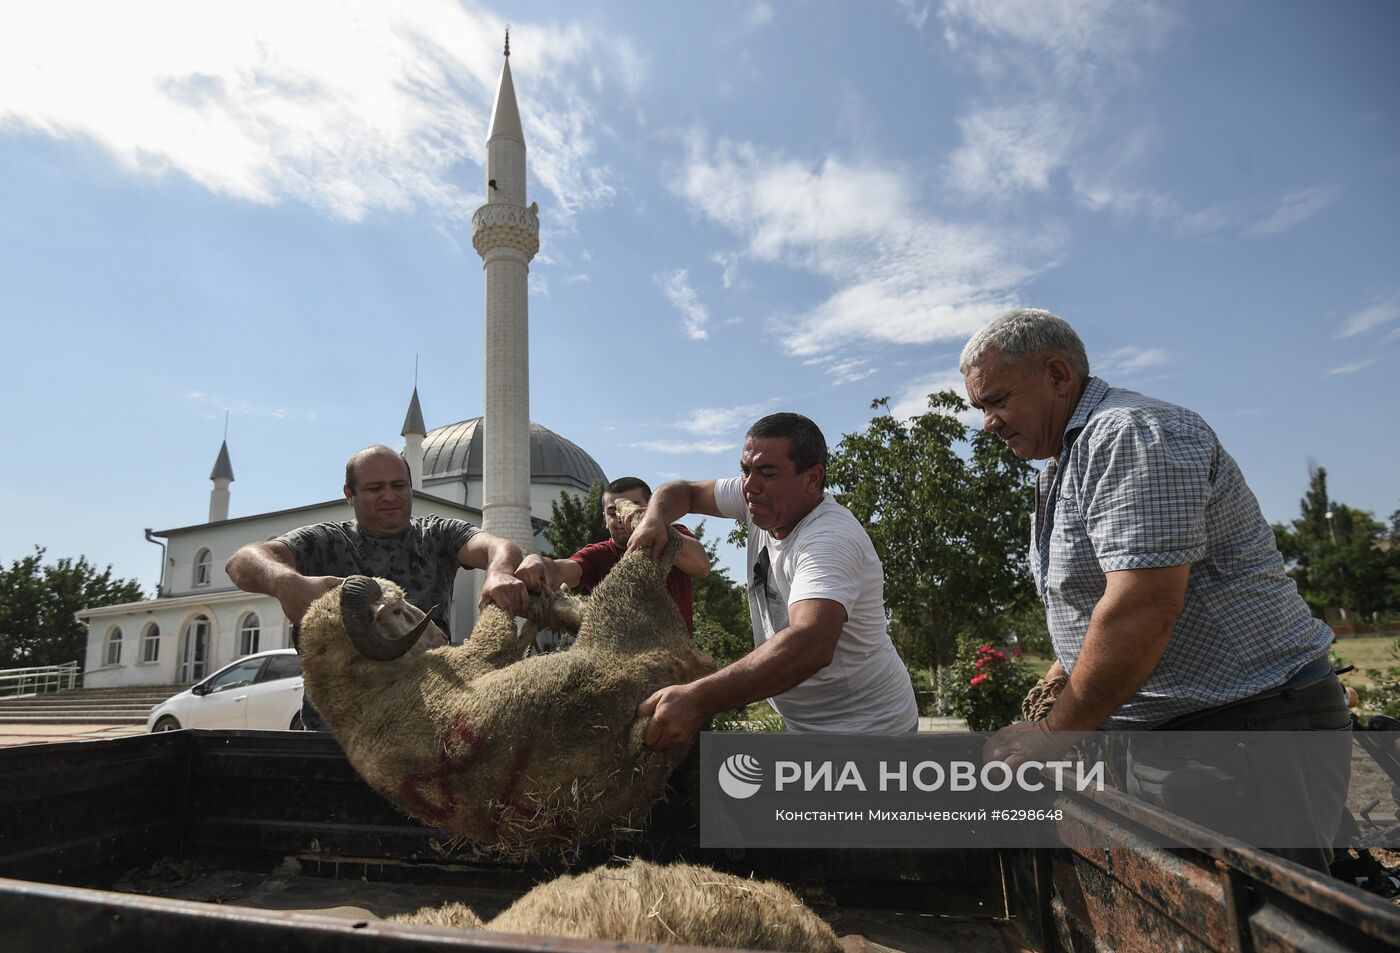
(1041, 698)
(1036, 706)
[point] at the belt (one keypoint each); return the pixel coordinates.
(1287, 689)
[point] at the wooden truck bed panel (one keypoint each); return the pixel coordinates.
(212, 841)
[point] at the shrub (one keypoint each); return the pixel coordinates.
(1384, 696)
(759, 716)
(987, 686)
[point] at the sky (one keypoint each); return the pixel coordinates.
(260, 212)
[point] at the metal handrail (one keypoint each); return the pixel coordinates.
(16, 682)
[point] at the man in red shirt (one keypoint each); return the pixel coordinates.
(589, 565)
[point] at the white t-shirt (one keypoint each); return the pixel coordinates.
(828, 555)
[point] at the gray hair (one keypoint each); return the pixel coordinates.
(1023, 332)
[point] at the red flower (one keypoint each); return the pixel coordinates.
(979, 679)
(984, 648)
(999, 656)
(981, 662)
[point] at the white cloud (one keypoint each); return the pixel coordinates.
(1103, 189)
(1372, 316)
(719, 420)
(913, 400)
(1296, 208)
(916, 14)
(1128, 360)
(900, 275)
(760, 15)
(1356, 366)
(729, 261)
(244, 408)
(1075, 35)
(685, 446)
(350, 108)
(1012, 149)
(1049, 68)
(676, 286)
(844, 370)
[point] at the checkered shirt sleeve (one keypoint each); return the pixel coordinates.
(1143, 492)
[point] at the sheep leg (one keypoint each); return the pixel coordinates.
(630, 610)
(668, 555)
(495, 642)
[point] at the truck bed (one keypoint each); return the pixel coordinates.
(209, 841)
(368, 892)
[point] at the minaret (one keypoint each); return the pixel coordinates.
(222, 475)
(413, 433)
(506, 235)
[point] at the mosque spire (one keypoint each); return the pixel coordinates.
(222, 475)
(506, 234)
(505, 114)
(413, 433)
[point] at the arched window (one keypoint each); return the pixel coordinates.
(203, 567)
(248, 633)
(150, 643)
(113, 655)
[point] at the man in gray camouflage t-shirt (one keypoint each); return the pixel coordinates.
(384, 539)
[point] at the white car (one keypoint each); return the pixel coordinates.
(257, 691)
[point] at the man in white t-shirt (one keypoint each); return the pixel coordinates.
(822, 654)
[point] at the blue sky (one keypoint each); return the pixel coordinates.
(264, 209)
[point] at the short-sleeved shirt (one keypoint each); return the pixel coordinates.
(1140, 484)
(423, 559)
(597, 560)
(828, 555)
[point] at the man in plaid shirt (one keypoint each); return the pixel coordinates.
(1165, 594)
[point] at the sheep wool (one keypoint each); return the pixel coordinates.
(522, 756)
(651, 903)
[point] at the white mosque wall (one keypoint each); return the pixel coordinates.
(158, 638)
(223, 613)
(195, 555)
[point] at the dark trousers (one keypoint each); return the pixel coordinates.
(311, 719)
(1296, 780)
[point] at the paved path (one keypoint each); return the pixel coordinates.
(11, 735)
(941, 723)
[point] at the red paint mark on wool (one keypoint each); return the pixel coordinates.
(429, 793)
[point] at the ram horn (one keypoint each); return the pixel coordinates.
(359, 605)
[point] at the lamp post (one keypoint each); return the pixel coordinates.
(1332, 535)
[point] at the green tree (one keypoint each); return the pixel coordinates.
(1339, 556)
(722, 625)
(37, 603)
(574, 522)
(947, 511)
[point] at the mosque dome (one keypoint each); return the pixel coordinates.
(455, 451)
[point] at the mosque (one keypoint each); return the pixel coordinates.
(500, 471)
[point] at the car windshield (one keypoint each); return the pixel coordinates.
(236, 676)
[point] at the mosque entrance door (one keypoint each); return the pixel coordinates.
(194, 650)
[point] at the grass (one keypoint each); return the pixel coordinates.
(1371, 654)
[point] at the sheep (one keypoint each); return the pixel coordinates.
(650, 903)
(521, 756)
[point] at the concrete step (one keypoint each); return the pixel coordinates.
(65, 701)
(60, 709)
(86, 718)
(110, 706)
